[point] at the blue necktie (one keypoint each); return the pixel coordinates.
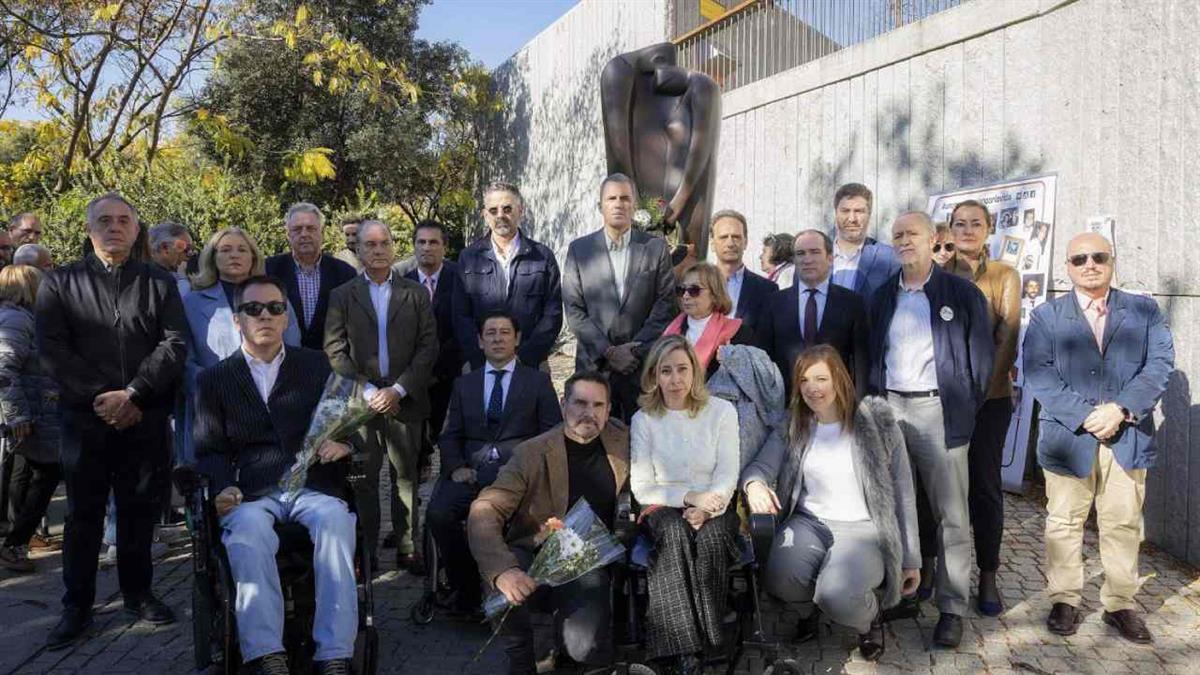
(495, 407)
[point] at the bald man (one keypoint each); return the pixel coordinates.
(931, 354)
(1097, 359)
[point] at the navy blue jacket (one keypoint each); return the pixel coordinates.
(963, 349)
(450, 360)
(1069, 375)
(754, 298)
(334, 273)
(876, 264)
(531, 408)
(843, 327)
(535, 300)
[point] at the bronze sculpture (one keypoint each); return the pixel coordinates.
(661, 124)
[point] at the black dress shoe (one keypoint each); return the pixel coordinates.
(870, 643)
(907, 608)
(71, 626)
(1063, 619)
(948, 632)
(1130, 625)
(151, 610)
(808, 626)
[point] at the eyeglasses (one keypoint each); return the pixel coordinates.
(949, 246)
(690, 291)
(274, 308)
(507, 209)
(1099, 257)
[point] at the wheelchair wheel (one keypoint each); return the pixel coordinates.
(366, 651)
(224, 629)
(422, 610)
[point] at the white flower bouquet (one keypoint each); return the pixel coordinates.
(339, 413)
(571, 547)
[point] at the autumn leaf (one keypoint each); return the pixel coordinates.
(309, 166)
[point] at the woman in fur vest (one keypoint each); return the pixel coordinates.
(841, 489)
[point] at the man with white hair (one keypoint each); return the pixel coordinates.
(308, 273)
(34, 255)
(25, 228)
(931, 354)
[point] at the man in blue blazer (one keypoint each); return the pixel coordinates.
(1097, 359)
(931, 354)
(749, 292)
(492, 410)
(308, 274)
(507, 270)
(859, 262)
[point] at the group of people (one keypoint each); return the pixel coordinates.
(861, 395)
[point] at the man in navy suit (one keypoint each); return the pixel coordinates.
(438, 276)
(813, 311)
(748, 291)
(931, 354)
(1098, 360)
(507, 270)
(859, 262)
(492, 409)
(308, 274)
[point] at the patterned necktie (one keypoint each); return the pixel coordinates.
(810, 318)
(431, 285)
(495, 406)
(1100, 307)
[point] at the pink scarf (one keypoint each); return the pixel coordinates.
(719, 331)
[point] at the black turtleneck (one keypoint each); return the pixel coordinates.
(589, 475)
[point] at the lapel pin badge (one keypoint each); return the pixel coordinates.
(946, 313)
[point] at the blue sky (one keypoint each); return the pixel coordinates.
(491, 30)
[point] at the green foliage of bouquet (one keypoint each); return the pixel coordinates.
(340, 412)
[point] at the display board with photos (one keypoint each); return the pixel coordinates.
(1023, 211)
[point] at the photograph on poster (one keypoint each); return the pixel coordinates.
(1008, 218)
(1011, 252)
(1031, 293)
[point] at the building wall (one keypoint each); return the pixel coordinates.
(1102, 92)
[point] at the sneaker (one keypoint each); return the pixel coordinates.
(16, 558)
(335, 667)
(273, 664)
(44, 543)
(109, 558)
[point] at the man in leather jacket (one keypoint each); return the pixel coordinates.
(110, 331)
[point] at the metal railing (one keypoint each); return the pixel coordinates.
(756, 39)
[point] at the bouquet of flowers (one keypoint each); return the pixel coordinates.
(340, 412)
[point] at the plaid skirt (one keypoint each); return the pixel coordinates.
(687, 581)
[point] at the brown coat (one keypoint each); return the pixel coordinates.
(1001, 285)
(531, 488)
(352, 340)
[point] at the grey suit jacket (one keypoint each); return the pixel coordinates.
(352, 340)
(596, 315)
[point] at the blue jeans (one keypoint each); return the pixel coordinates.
(251, 543)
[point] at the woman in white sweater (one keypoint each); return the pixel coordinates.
(684, 465)
(842, 489)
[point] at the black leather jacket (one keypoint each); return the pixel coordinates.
(101, 330)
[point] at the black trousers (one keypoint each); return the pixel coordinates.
(985, 499)
(33, 487)
(582, 620)
(448, 509)
(133, 464)
(625, 392)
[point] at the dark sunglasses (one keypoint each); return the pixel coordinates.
(691, 291)
(1099, 257)
(506, 210)
(949, 246)
(275, 308)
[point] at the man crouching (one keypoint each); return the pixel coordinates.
(251, 417)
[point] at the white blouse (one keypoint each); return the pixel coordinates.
(831, 489)
(675, 454)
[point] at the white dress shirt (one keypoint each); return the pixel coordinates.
(831, 488)
(514, 247)
(264, 373)
(695, 328)
(821, 296)
(733, 285)
(908, 356)
(843, 261)
(424, 279)
(618, 256)
(489, 383)
(381, 297)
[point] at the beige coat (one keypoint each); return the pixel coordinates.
(531, 488)
(1001, 285)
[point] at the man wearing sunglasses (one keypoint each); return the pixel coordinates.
(1097, 359)
(253, 411)
(507, 270)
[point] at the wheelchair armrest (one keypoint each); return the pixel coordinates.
(762, 534)
(356, 476)
(625, 524)
(188, 481)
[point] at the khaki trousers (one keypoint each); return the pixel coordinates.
(1118, 494)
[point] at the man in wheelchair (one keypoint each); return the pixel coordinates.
(586, 456)
(492, 409)
(253, 411)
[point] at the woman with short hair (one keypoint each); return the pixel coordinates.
(841, 488)
(704, 320)
(683, 473)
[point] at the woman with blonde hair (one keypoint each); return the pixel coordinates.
(841, 489)
(705, 320)
(228, 258)
(683, 473)
(29, 408)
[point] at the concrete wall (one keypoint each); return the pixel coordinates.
(1103, 92)
(550, 140)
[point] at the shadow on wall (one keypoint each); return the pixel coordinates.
(560, 176)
